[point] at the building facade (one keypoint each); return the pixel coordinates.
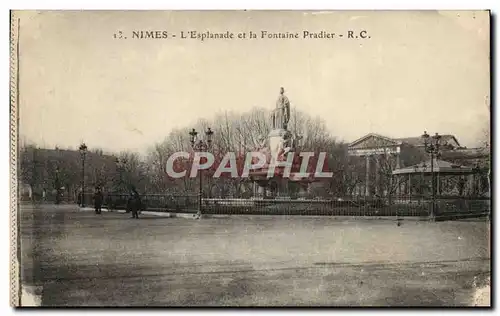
(382, 155)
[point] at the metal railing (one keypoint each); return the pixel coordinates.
(311, 207)
(359, 207)
(49, 198)
(397, 206)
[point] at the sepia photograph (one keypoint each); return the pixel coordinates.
(250, 158)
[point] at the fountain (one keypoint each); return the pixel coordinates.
(279, 143)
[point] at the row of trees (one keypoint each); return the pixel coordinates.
(240, 133)
(46, 169)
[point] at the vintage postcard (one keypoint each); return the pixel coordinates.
(250, 158)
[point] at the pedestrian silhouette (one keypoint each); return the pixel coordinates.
(136, 203)
(98, 199)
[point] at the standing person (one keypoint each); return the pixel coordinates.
(130, 202)
(79, 198)
(136, 204)
(98, 199)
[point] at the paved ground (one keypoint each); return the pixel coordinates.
(83, 259)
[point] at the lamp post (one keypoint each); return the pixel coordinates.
(476, 170)
(57, 185)
(432, 146)
(121, 164)
(200, 145)
(421, 186)
(83, 153)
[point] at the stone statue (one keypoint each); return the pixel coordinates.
(281, 115)
(295, 140)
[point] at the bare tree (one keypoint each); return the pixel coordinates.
(239, 133)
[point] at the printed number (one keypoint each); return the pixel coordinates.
(119, 35)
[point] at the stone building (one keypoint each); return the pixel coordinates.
(382, 155)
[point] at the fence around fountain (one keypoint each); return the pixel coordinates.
(399, 206)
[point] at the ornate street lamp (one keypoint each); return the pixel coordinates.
(121, 164)
(200, 145)
(83, 153)
(432, 147)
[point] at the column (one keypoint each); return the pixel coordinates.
(302, 191)
(377, 175)
(470, 184)
(391, 181)
(367, 180)
(409, 185)
(398, 161)
(283, 187)
(261, 191)
(438, 185)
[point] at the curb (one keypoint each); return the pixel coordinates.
(160, 214)
(386, 218)
(172, 215)
(104, 210)
(194, 215)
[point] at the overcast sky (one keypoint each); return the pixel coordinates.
(418, 71)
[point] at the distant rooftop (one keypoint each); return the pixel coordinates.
(418, 141)
(446, 140)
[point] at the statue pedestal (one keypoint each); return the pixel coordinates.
(278, 187)
(271, 188)
(274, 186)
(277, 138)
(303, 191)
(261, 191)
